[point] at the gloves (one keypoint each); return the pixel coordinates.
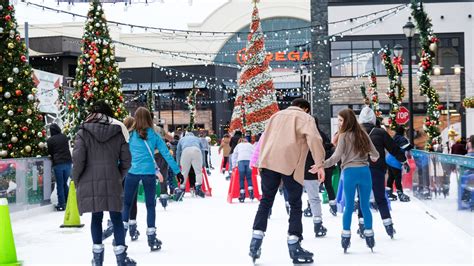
(406, 166)
(180, 178)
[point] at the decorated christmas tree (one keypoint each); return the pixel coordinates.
(428, 43)
(21, 127)
(97, 73)
(256, 99)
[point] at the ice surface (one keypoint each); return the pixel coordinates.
(212, 231)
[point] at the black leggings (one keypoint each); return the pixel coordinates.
(328, 183)
(394, 175)
(226, 161)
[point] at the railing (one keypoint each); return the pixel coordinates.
(446, 184)
(26, 182)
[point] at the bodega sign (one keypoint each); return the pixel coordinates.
(294, 56)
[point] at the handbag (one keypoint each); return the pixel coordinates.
(157, 169)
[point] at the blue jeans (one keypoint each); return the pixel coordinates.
(96, 228)
(149, 186)
(245, 173)
(62, 173)
(357, 177)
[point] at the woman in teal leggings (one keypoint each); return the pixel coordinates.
(353, 150)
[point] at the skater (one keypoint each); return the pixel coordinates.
(233, 142)
(288, 136)
(101, 159)
(311, 185)
(382, 141)
(58, 148)
(241, 158)
(353, 150)
(205, 152)
(395, 167)
(189, 153)
(225, 148)
(143, 142)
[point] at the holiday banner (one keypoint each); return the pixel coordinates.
(47, 94)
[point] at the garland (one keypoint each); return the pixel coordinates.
(191, 102)
(428, 43)
(468, 102)
(394, 72)
(375, 96)
(364, 94)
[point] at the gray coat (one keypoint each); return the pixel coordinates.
(101, 159)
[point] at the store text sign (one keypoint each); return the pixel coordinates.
(241, 56)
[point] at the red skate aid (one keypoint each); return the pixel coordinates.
(222, 165)
(234, 186)
(407, 178)
(204, 186)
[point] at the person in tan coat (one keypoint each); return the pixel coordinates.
(289, 135)
(225, 148)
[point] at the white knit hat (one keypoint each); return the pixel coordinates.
(367, 115)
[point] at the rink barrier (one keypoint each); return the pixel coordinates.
(7, 243)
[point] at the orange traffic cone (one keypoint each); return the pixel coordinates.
(71, 217)
(7, 244)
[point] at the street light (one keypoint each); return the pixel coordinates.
(457, 71)
(398, 50)
(409, 31)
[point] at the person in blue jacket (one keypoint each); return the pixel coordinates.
(143, 142)
(395, 167)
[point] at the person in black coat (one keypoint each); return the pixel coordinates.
(382, 141)
(58, 148)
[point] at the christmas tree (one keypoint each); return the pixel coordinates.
(21, 127)
(256, 100)
(97, 73)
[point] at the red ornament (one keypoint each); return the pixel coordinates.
(428, 123)
(24, 129)
(19, 110)
(18, 92)
(97, 33)
(440, 107)
(10, 146)
(39, 117)
(8, 17)
(43, 132)
(23, 58)
(18, 38)
(10, 7)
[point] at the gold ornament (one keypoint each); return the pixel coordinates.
(1, 88)
(25, 137)
(116, 114)
(11, 45)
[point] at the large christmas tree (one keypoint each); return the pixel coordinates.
(97, 73)
(256, 100)
(21, 127)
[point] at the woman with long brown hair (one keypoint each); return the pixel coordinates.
(353, 150)
(143, 142)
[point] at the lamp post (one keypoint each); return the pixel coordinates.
(172, 83)
(409, 31)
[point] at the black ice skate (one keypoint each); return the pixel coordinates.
(333, 207)
(345, 240)
(389, 227)
(426, 194)
(297, 253)
(403, 197)
(109, 231)
(361, 229)
(199, 191)
(134, 234)
(369, 239)
(122, 258)
(60, 208)
(179, 194)
(390, 195)
(153, 242)
(251, 196)
(98, 253)
(242, 196)
(445, 190)
(307, 212)
(319, 229)
(164, 200)
(255, 245)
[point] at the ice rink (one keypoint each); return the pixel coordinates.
(212, 231)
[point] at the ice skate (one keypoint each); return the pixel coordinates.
(251, 195)
(60, 208)
(307, 212)
(361, 229)
(153, 242)
(98, 253)
(345, 240)
(403, 197)
(297, 253)
(164, 200)
(333, 207)
(133, 230)
(369, 239)
(122, 258)
(255, 245)
(109, 231)
(319, 229)
(179, 193)
(389, 227)
(199, 191)
(242, 196)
